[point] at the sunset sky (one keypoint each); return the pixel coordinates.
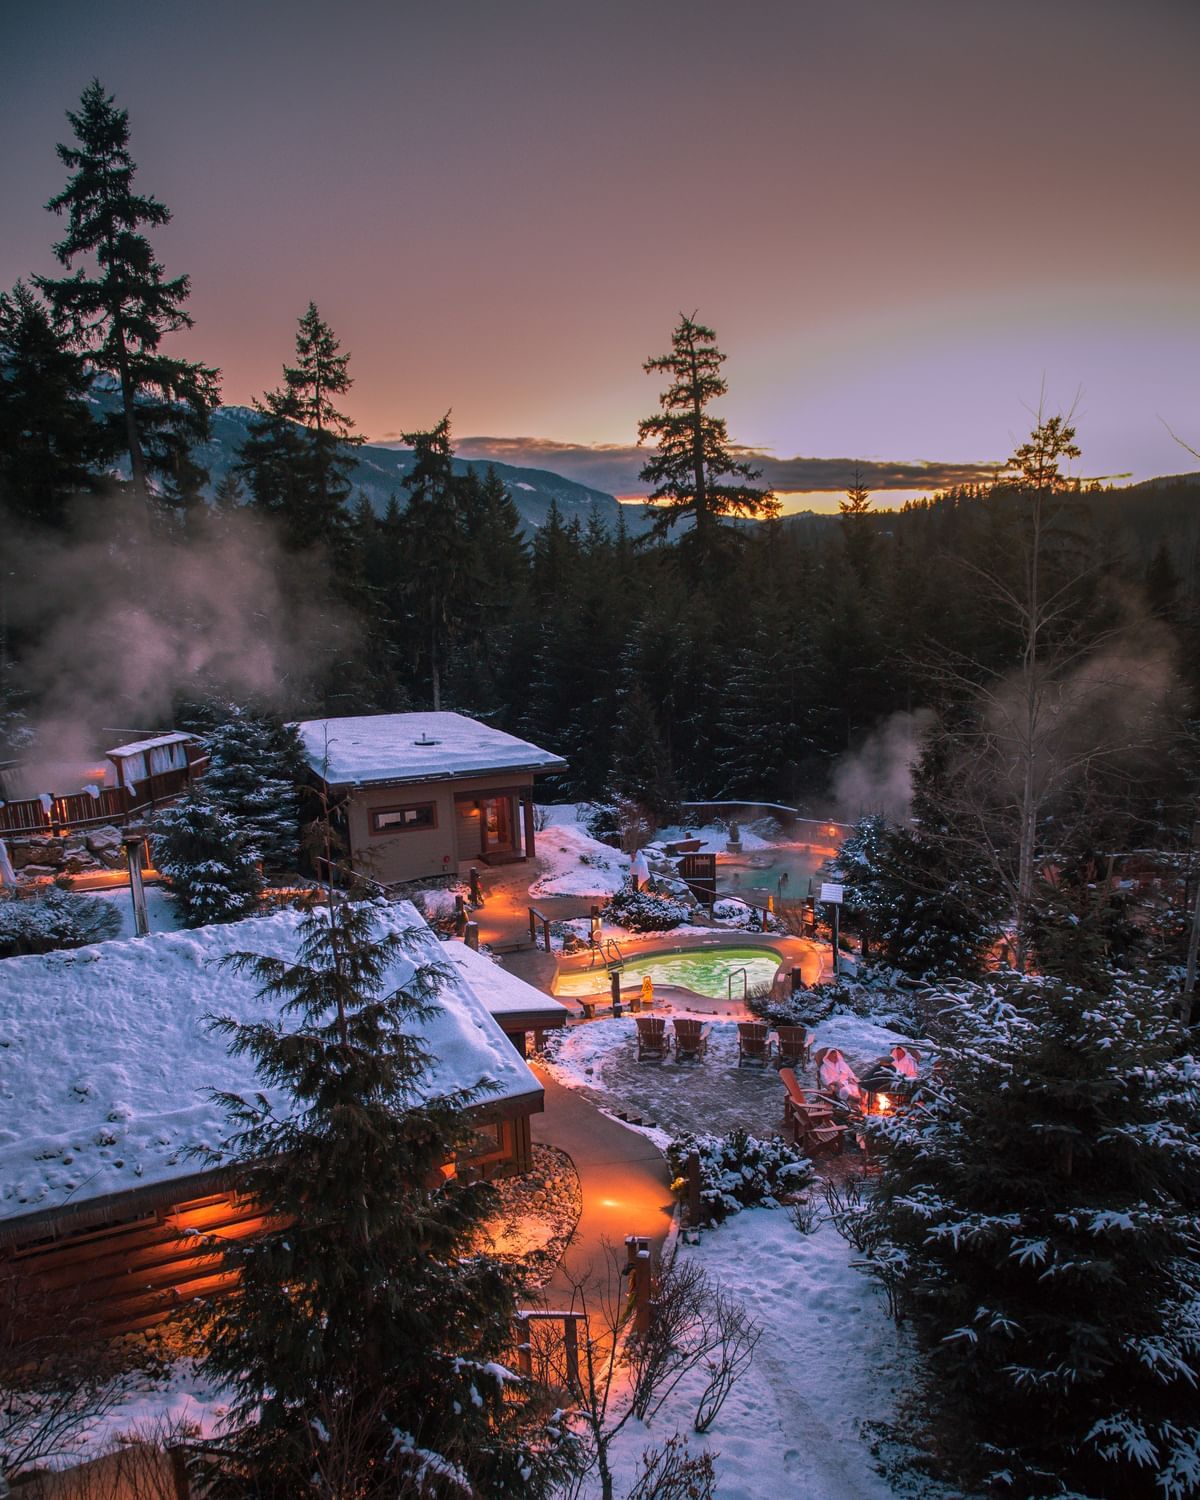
(904, 218)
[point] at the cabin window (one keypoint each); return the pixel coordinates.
(404, 819)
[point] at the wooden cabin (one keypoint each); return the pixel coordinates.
(106, 1060)
(426, 794)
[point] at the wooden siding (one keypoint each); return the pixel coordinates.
(124, 1275)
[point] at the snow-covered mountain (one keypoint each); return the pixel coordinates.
(379, 473)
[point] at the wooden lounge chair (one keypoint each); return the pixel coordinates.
(651, 1037)
(794, 1042)
(810, 1116)
(691, 1040)
(753, 1043)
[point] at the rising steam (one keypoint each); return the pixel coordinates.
(115, 626)
(877, 777)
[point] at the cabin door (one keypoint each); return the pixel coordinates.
(497, 819)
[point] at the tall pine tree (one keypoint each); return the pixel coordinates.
(50, 446)
(121, 305)
(297, 457)
(438, 549)
(695, 475)
(364, 1341)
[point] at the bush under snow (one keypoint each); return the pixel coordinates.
(739, 1171)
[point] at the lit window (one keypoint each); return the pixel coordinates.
(403, 819)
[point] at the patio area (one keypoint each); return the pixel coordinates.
(712, 1094)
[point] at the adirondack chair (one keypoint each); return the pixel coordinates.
(810, 1116)
(651, 1037)
(794, 1042)
(691, 1040)
(753, 1043)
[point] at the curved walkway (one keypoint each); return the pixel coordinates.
(623, 1176)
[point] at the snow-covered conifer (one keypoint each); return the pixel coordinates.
(203, 853)
(254, 768)
(364, 1346)
(1040, 1200)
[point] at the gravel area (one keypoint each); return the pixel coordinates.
(537, 1214)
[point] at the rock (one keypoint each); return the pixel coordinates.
(42, 852)
(105, 844)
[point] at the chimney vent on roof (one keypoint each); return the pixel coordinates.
(425, 740)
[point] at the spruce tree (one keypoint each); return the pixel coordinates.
(297, 457)
(437, 547)
(856, 528)
(50, 446)
(255, 766)
(695, 474)
(121, 312)
(203, 853)
(365, 1336)
(1040, 1209)
(641, 766)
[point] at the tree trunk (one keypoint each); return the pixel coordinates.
(137, 461)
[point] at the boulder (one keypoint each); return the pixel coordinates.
(41, 852)
(105, 844)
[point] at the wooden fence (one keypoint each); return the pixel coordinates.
(34, 817)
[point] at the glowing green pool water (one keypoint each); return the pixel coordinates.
(704, 971)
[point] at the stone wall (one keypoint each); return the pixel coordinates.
(80, 850)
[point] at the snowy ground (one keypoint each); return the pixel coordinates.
(830, 1359)
(572, 862)
(714, 1094)
(160, 908)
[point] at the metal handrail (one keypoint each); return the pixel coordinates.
(745, 983)
(616, 948)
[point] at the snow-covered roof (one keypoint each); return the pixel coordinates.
(503, 993)
(414, 747)
(106, 1059)
(136, 747)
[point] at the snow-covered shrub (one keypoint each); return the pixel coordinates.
(737, 913)
(1038, 1209)
(738, 1171)
(643, 911)
(806, 1007)
(602, 821)
(203, 853)
(49, 917)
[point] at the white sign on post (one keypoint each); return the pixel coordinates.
(831, 893)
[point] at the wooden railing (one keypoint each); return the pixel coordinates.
(32, 816)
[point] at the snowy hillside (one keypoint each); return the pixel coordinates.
(379, 474)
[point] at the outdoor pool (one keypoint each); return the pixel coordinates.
(704, 971)
(782, 871)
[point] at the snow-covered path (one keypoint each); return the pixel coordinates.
(829, 1360)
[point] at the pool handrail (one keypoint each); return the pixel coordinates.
(745, 983)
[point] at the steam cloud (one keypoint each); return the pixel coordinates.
(116, 625)
(877, 777)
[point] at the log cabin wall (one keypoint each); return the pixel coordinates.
(123, 1275)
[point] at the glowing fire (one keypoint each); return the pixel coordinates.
(883, 1104)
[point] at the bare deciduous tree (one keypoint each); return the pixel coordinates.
(1030, 750)
(627, 1374)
